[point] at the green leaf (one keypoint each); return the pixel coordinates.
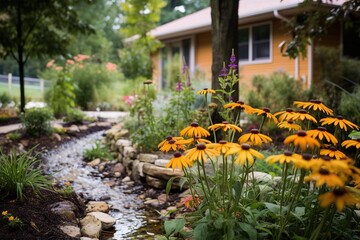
(169, 184)
(200, 232)
(173, 226)
(354, 135)
(218, 224)
(249, 229)
(273, 207)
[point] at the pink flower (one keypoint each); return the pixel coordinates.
(81, 57)
(130, 99)
(58, 68)
(110, 66)
(69, 61)
(50, 63)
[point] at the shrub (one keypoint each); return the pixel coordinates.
(5, 99)
(37, 121)
(75, 116)
(98, 151)
(13, 136)
(19, 172)
(349, 105)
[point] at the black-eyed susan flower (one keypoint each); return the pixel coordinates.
(321, 133)
(254, 138)
(222, 146)
(351, 143)
(286, 157)
(245, 154)
(302, 140)
(305, 161)
(316, 105)
(264, 112)
(172, 145)
(178, 161)
(201, 153)
(333, 152)
(4, 213)
(324, 176)
(340, 167)
(239, 105)
(290, 125)
(206, 91)
(168, 138)
(194, 130)
(225, 126)
(302, 115)
(339, 120)
(341, 197)
(285, 115)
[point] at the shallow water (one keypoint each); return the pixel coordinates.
(133, 220)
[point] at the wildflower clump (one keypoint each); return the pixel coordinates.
(11, 221)
(312, 191)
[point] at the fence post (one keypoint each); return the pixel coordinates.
(9, 82)
(42, 85)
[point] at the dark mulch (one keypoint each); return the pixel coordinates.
(9, 120)
(39, 222)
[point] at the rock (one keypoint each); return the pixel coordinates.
(73, 129)
(161, 173)
(24, 142)
(90, 226)
(107, 221)
(172, 209)
(261, 177)
(65, 209)
(71, 231)
(135, 173)
(129, 152)
(121, 143)
(155, 182)
(103, 124)
(148, 158)
(94, 206)
(152, 202)
(161, 162)
(94, 162)
(126, 179)
(83, 128)
(56, 137)
(118, 169)
(121, 134)
(57, 126)
(162, 198)
(117, 174)
(87, 238)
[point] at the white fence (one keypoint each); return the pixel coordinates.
(11, 80)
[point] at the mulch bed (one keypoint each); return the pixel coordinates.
(39, 223)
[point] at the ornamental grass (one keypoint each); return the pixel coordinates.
(314, 194)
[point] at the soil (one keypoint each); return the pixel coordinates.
(39, 223)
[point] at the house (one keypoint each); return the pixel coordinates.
(262, 28)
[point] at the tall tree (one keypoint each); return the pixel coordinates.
(37, 28)
(224, 23)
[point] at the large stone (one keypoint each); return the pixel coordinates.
(83, 128)
(261, 177)
(90, 226)
(56, 137)
(161, 173)
(135, 173)
(103, 124)
(161, 162)
(129, 152)
(107, 221)
(65, 209)
(122, 133)
(148, 158)
(87, 238)
(118, 168)
(155, 182)
(71, 231)
(94, 206)
(121, 143)
(94, 162)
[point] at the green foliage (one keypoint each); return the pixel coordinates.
(5, 99)
(174, 227)
(19, 172)
(75, 116)
(135, 63)
(37, 121)
(12, 222)
(349, 105)
(98, 151)
(13, 136)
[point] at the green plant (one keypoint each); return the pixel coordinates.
(5, 99)
(98, 151)
(37, 121)
(349, 104)
(75, 116)
(19, 172)
(67, 190)
(13, 136)
(12, 222)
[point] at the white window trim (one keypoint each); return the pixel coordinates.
(260, 61)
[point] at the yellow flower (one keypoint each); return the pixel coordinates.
(245, 154)
(305, 162)
(223, 146)
(315, 105)
(264, 112)
(178, 161)
(324, 176)
(225, 126)
(172, 145)
(254, 138)
(302, 140)
(4, 213)
(339, 120)
(11, 218)
(239, 104)
(286, 157)
(302, 115)
(333, 152)
(168, 138)
(321, 133)
(339, 196)
(285, 115)
(289, 125)
(206, 91)
(351, 143)
(201, 153)
(194, 130)
(67, 184)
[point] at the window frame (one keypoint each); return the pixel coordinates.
(250, 44)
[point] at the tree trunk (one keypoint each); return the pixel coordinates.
(224, 21)
(20, 59)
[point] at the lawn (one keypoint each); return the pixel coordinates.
(31, 92)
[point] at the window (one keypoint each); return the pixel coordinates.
(254, 43)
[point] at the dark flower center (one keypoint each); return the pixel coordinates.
(315, 101)
(339, 192)
(169, 138)
(301, 133)
(177, 154)
(307, 156)
(321, 129)
(266, 109)
(245, 146)
(224, 122)
(339, 117)
(222, 141)
(324, 171)
(205, 89)
(332, 148)
(194, 124)
(254, 131)
(240, 102)
(172, 141)
(291, 121)
(288, 153)
(302, 111)
(325, 157)
(200, 146)
(289, 110)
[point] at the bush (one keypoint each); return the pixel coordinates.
(75, 116)
(19, 172)
(98, 151)
(37, 121)
(349, 105)
(5, 99)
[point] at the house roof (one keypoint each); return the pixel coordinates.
(249, 10)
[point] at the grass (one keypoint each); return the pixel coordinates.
(31, 92)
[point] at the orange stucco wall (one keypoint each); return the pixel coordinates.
(203, 53)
